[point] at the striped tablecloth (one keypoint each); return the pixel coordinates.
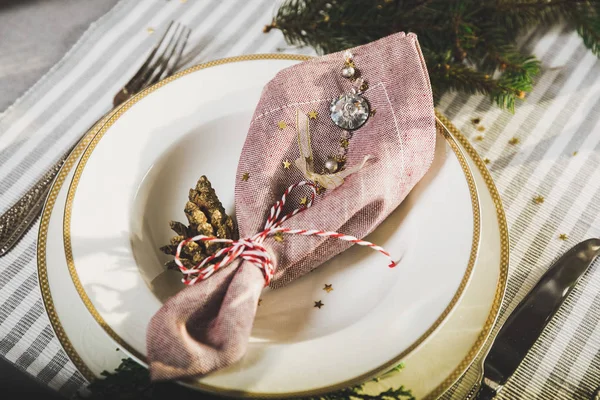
(549, 150)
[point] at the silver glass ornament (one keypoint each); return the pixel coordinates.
(349, 111)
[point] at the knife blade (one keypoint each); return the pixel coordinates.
(527, 321)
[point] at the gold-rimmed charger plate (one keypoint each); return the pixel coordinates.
(48, 210)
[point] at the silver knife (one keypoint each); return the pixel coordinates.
(530, 317)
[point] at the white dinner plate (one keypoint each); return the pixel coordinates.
(134, 177)
(430, 370)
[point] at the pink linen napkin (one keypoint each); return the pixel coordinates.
(206, 326)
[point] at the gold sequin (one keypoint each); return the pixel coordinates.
(575, 153)
(481, 128)
(278, 237)
(150, 30)
(563, 236)
(245, 176)
(344, 143)
(282, 125)
(372, 112)
(259, 301)
(319, 304)
(313, 114)
(514, 141)
(479, 138)
(475, 121)
(286, 164)
(486, 160)
(539, 199)
(328, 287)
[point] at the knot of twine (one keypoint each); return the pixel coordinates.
(252, 249)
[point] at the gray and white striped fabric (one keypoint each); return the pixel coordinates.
(560, 117)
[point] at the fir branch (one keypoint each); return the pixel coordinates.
(465, 42)
(131, 381)
(588, 27)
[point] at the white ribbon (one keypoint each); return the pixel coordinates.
(306, 162)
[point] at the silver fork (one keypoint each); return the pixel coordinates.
(161, 63)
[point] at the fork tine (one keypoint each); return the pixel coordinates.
(147, 77)
(133, 85)
(178, 41)
(164, 58)
(146, 66)
(177, 57)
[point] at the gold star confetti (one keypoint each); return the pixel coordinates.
(282, 125)
(286, 164)
(304, 201)
(150, 30)
(539, 199)
(514, 141)
(486, 160)
(563, 236)
(575, 153)
(481, 128)
(328, 287)
(278, 237)
(372, 112)
(259, 301)
(313, 114)
(344, 143)
(479, 138)
(183, 1)
(245, 176)
(319, 304)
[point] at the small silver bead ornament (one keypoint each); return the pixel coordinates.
(331, 165)
(348, 72)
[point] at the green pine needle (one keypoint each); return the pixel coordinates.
(468, 45)
(131, 381)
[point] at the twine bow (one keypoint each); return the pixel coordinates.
(252, 249)
(305, 162)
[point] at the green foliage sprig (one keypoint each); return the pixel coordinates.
(468, 45)
(131, 381)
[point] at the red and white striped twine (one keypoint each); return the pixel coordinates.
(251, 249)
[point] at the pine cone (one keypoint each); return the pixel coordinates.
(206, 216)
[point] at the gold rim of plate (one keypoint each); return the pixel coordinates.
(101, 127)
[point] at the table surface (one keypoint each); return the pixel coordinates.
(32, 42)
(556, 156)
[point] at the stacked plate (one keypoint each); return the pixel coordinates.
(352, 319)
